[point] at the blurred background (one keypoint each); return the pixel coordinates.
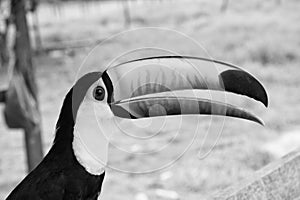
(262, 36)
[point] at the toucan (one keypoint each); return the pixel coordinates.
(74, 167)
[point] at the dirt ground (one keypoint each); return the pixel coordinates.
(261, 36)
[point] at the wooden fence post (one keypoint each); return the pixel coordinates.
(224, 5)
(126, 11)
(279, 2)
(24, 66)
(35, 25)
(4, 54)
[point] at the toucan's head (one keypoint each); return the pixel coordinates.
(144, 88)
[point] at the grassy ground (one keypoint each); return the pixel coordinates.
(261, 36)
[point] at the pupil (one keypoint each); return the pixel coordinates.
(99, 92)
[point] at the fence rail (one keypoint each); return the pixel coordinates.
(280, 180)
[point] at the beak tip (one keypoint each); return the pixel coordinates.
(261, 122)
(257, 120)
(266, 101)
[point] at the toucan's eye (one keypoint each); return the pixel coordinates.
(99, 93)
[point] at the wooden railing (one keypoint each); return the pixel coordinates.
(280, 180)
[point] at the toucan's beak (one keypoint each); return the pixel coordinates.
(136, 85)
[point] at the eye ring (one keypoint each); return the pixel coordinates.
(99, 93)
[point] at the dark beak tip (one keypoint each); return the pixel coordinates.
(243, 83)
(261, 122)
(266, 102)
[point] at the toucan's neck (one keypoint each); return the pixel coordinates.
(65, 123)
(81, 134)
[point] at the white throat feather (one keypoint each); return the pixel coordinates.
(93, 127)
